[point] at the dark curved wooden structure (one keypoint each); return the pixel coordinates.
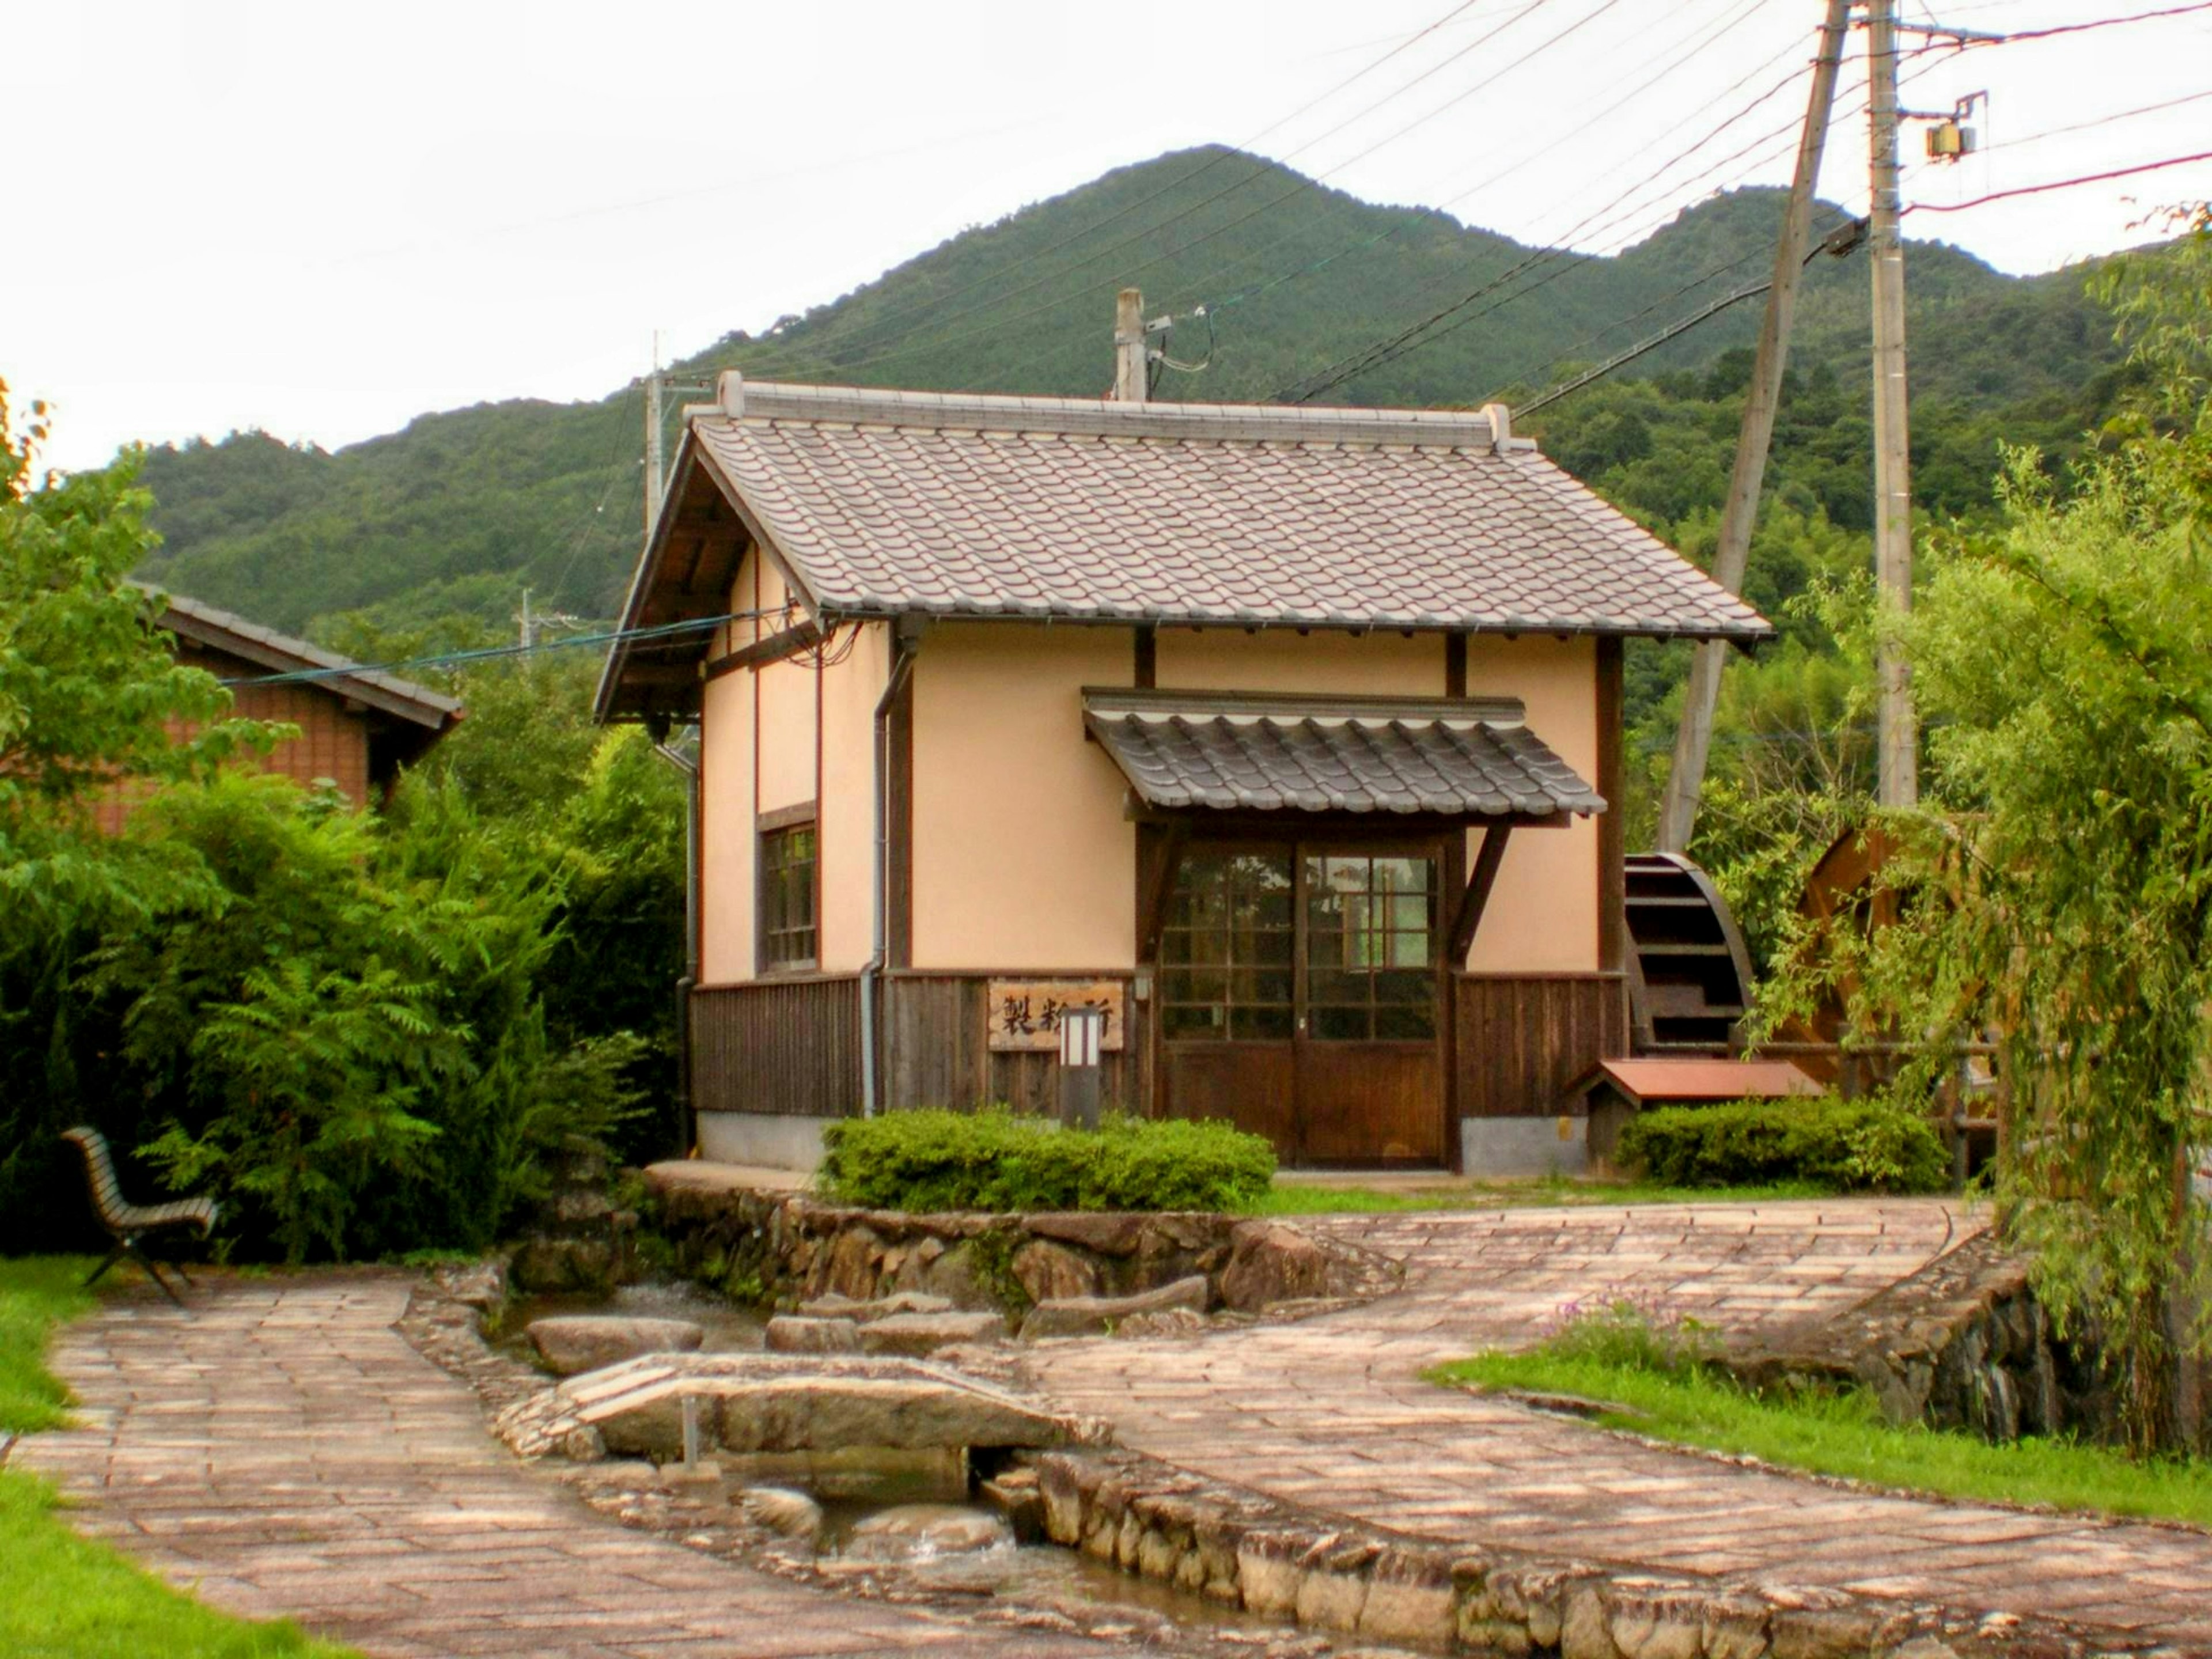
(1689, 975)
(1841, 893)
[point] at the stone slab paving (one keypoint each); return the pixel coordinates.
(1331, 1413)
(282, 1451)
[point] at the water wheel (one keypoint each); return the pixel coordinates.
(1689, 975)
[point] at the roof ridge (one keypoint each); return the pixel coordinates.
(741, 399)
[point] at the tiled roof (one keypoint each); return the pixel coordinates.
(281, 654)
(1235, 752)
(888, 503)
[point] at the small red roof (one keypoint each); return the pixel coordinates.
(1663, 1081)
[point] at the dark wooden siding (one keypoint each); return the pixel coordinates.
(938, 1051)
(793, 1048)
(788, 1047)
(1519, 1042)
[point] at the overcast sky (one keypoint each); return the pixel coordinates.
(323, 220)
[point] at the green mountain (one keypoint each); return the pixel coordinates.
(462, 509)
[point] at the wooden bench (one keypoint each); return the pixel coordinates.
(127, 1223)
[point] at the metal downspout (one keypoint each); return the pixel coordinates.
(902, 650)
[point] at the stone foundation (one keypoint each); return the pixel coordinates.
(1242, 1550)
(778, 1245)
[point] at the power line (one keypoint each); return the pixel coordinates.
(1236, 150)
(2099, 121)
(1303, 184)
(490, 653)
(2012, 37)
(1585, 118)
(1411, 338)
(1660, 304)
(1404, 342)
(1641, 347)
(2059, 184)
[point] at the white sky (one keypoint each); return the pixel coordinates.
(323, 220)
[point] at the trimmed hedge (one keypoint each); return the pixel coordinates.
(993, 1160)
(1848, 1145)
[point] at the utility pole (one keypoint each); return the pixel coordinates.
(653, 460)
(1129, 367)
(523, 636)
(1898, 742)
(1678, 812)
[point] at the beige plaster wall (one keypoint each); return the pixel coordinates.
(852, 684)
(1281, 659)
(726, 830)
(1542, 916)
(1022, 858)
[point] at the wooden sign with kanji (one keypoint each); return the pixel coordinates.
(1024, 1013)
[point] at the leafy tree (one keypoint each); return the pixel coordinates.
(92, 703)
(2060, 878)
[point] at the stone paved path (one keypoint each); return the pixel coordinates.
(1331, 1413)
(284, 1451)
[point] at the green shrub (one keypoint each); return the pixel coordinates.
(995, 1160)
(1848, 1145)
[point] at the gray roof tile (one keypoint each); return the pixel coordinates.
(888, 503)
(1234, 752)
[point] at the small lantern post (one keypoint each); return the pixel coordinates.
(1082, 1031)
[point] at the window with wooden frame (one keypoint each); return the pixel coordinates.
(786, 910)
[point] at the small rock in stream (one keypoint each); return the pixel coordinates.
(916, 1531)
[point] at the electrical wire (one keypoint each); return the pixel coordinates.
(1379, 353)
(492, 653)
(1405, 342)
(2084, 126)
(2058, 184)
(1298, 189)
(1584, 118)
(2015, 36)
(1220, 155)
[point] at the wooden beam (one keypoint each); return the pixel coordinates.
(788, 642)
(1480, 881)
(1156, 885)
(1612, 822)
(1455, 665)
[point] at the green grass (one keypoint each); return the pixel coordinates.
(1844, 1434)
(1299, 1198)
(63, 1596)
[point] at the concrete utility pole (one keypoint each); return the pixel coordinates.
(1678, 812)
(653, 460)
(1129, 369)
(1897, 751)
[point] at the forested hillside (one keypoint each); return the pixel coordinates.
(462, 509)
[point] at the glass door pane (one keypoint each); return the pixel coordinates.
(1370, 948)
(1226, 948)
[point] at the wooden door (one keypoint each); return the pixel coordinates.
(1301, 996)
(1227, 990)
(1370, 1020)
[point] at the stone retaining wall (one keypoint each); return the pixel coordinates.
(1962, 1344)
(1242, 1550)
(773, 1245)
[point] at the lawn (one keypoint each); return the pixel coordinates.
(1844, 1434)
(1297, 1198)
(63, 1596)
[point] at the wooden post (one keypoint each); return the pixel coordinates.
(1678, 811)
(1129, 347)
(1899, 744)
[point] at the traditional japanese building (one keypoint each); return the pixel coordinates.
(1290, 736)
(356, 727)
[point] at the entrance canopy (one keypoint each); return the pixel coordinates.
(1239, 752)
